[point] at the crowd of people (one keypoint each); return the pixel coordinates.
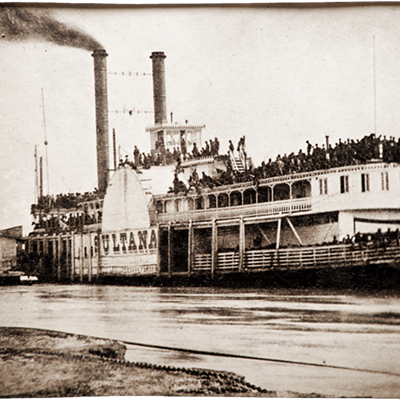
(164, 156)
(63, 201)
(350, 152)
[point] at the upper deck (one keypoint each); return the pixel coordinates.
(375, 185)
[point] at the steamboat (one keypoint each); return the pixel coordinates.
(187, 212)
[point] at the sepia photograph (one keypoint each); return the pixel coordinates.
(200, 200)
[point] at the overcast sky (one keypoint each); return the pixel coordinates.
(279, 76)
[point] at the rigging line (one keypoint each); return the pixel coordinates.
(45, 143)
(228, 355)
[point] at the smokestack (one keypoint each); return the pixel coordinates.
(102, 146)
(160, 99)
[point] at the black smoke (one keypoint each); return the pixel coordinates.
(18, 23)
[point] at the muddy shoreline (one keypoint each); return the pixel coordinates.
(41, 363)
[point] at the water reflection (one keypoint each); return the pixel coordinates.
(350, 331)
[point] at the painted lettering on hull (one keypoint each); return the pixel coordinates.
(119, 243)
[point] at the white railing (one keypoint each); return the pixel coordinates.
(303, 257)
(284, 207)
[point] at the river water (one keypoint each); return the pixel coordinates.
(348, 331)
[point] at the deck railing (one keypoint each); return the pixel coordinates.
(302, 258)
(250, 210)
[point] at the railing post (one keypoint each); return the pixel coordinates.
(214, 248)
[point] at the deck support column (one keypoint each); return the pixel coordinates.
(242, 244)
(214, 248)
(190, 247)
(59, 258)
(158, 250)
(81, 260)
(53, 265)
(90, 272)
(67, 257)
(98, 255)
(72, 276)
(278, 233)
(170, 244)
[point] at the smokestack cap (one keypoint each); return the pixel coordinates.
(99, 53)
(158, 54)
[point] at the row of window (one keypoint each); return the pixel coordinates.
(344, 183)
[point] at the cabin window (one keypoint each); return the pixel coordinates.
(344, 184)
(190, 204)
(169, 207)
(178, 205)
(365, 182)
(159, 207)
(212, 201)
(385, 180)
(250, 196)
(281, 192)
(223, 200)
(199, 203)
(236, 199)
(264, 194)
(323, 186)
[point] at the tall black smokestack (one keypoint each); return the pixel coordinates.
(100, 87)
(160, 99)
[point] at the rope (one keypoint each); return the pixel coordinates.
(228, 355)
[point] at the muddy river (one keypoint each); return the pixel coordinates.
(354, 340)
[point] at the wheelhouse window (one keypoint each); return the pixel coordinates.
(344, 184)
(323, 186)
(385, 180)
(365, 182)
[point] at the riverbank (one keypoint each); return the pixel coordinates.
(40, 363)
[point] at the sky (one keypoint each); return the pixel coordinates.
(278, 75)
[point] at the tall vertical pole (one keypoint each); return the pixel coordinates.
(40, 177)
(102, 142)
(45, 144)
(159, 93)
(36, 177)
(114, 150)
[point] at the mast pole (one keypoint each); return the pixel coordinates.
(45, 144)
(36, 177)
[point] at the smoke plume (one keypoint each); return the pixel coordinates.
(17, 23)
